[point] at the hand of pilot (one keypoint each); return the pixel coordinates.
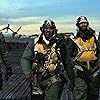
(29, 76)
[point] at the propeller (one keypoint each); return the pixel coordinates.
(16, 31)
(5, 28)
(8, 28)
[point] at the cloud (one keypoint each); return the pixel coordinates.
(32, 25)
(30, 14)
(56, 8)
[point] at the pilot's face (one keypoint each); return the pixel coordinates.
(83, 26)
(48, 31)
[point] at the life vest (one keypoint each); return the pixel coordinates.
(50, 55)
(86, 50)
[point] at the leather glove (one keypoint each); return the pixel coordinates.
(29, 76)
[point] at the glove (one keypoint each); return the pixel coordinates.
(29, 76)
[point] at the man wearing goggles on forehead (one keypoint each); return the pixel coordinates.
(86, 54)
(47, 60)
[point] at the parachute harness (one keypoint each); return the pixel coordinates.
(50, 56)
(86, 50)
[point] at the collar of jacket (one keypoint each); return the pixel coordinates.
(85, 35)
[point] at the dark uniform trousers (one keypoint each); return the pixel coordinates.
(86, 88)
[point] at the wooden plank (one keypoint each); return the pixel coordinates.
(9, 87)
(22, 91)
(12, 94)
(16, 88)
(27, 94)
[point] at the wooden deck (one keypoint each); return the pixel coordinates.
(16, 88)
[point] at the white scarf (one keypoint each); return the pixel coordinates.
(45, 40)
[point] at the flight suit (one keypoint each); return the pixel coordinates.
(87, 69)
(50, 82)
